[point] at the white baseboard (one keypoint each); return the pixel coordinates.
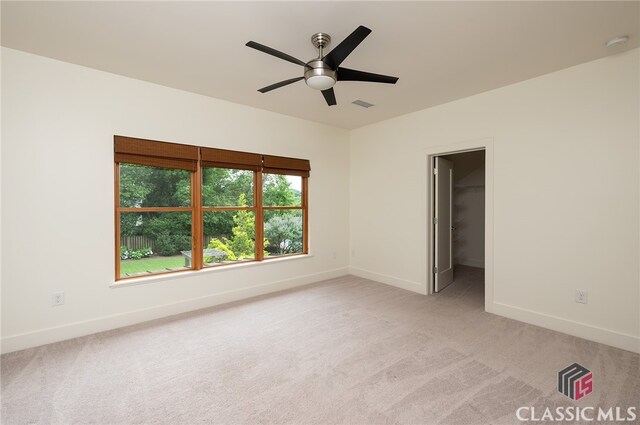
(87, 327)
(389, 280)
(581, 330)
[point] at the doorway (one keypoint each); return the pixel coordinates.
(460, 216)
(459, 185)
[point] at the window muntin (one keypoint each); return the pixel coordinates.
(180, 196)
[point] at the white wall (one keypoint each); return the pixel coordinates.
(566, 191)
(57, 196)
(566, 185)
(468, 208)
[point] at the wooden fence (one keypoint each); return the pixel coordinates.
(136, 243)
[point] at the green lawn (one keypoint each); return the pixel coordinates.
(151, 264)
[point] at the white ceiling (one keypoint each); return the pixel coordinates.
(441, 51)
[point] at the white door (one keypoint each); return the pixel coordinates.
(443, 252)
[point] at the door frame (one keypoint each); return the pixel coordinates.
(485, 144)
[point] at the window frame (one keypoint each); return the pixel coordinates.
(253, 208)
(179, 156)
(302, 207)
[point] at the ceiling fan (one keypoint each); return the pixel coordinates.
(321, 73)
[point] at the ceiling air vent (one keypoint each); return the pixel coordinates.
(362, 103)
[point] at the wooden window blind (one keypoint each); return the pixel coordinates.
(283, 165)
(222, 158)
(156, 154)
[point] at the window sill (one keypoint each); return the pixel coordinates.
(184, 274)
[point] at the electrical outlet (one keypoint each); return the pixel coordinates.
(582, 296)
(57, 298)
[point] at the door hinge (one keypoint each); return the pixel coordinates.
(435, 220)
(435, 270)
(435, 171)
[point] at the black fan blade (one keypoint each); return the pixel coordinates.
(346, 74)
(280, 84)
(274, 52)
(342, 50)
(329, 96)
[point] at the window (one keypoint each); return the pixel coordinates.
(229, 208)
(284, 202)
(236, 206)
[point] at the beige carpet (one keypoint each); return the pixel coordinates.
(347, 350)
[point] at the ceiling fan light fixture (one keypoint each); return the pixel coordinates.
(320, 82)
(319, 76)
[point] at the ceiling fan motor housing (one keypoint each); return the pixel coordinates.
(318, 75)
